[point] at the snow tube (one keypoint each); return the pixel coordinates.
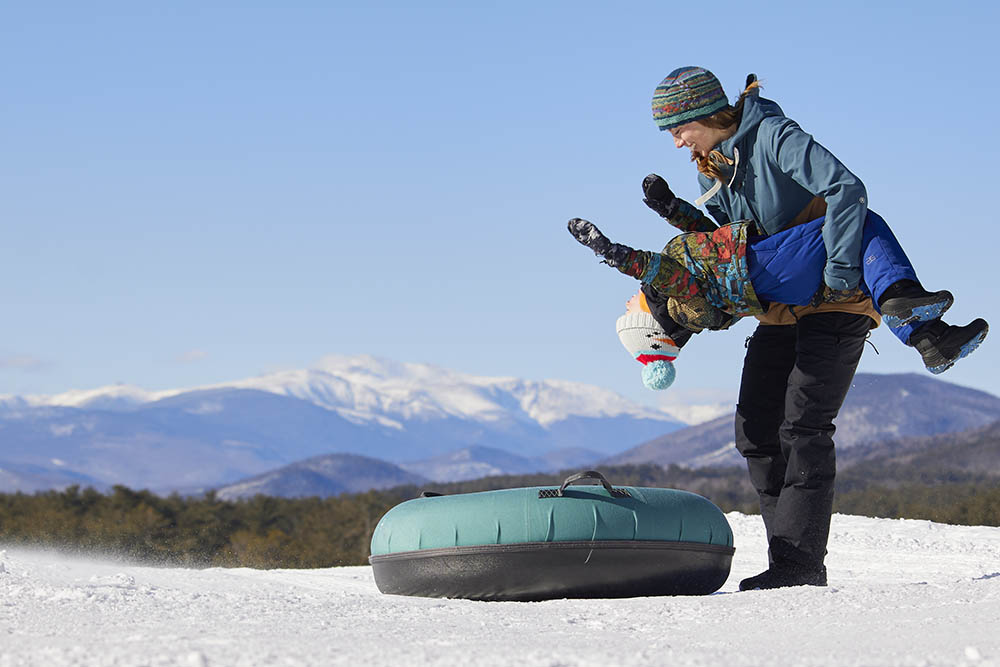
(540, 543)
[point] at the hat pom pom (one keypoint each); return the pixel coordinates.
(658, 375)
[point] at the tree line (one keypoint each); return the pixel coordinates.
(269, 532)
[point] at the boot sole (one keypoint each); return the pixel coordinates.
(781, 582)
(963, 352)
(897, 312)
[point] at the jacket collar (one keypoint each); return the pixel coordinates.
(739, 147)
(755, 109)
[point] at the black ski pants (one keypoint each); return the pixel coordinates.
(795, 378)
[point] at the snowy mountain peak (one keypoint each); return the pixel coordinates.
(112, 397)
(369, 368)
(368, 389)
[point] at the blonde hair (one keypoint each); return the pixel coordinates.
(715, 162)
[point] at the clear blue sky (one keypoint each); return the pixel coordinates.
(194, 192)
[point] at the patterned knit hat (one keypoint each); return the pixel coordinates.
(648, 344)
(687, 94)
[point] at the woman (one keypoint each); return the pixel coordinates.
(756, 164)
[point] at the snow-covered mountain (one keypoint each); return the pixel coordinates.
(191, 439)
(366, 389)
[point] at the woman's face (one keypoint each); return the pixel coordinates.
(700, 139)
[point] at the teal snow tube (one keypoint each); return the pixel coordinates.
(540, 543)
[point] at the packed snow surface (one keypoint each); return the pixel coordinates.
(901, 593)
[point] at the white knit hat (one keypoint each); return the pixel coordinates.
(650, 345)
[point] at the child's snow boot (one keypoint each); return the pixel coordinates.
(941, 344)
(907, 301)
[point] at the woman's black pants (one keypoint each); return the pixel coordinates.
(795, 378)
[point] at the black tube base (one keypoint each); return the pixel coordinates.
(551, 570)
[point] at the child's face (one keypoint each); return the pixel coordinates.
(632, 305)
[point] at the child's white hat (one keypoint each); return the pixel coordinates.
(650, 345)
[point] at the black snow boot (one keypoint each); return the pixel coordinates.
(783, 574)
(907, 301)
(941, 344)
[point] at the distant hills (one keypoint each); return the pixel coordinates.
(877, 408)
(27, 478)
(945, 468)
(967, 455)
(334, 474)
(475, 462)
(322, 476)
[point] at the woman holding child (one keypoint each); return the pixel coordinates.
(759, 168)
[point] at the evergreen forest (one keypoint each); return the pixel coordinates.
(271, 532)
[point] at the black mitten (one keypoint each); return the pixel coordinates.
(614, 254)
(657, 196)
(589, 235)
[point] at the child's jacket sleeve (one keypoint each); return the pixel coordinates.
(687, 217)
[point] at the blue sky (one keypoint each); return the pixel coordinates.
(194, 192)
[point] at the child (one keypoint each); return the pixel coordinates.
(738, 273)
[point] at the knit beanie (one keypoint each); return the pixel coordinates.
(687, 94)
(648, 344)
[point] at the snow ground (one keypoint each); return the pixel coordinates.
(902, 593)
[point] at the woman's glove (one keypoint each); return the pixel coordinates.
(826, 294)
(657, 196)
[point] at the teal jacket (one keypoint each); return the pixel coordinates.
(778, 170)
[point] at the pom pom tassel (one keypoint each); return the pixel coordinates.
(658, 375)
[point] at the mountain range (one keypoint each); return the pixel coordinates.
(376, 423)
(207, 437)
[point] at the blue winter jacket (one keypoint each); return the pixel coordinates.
(778, 170)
